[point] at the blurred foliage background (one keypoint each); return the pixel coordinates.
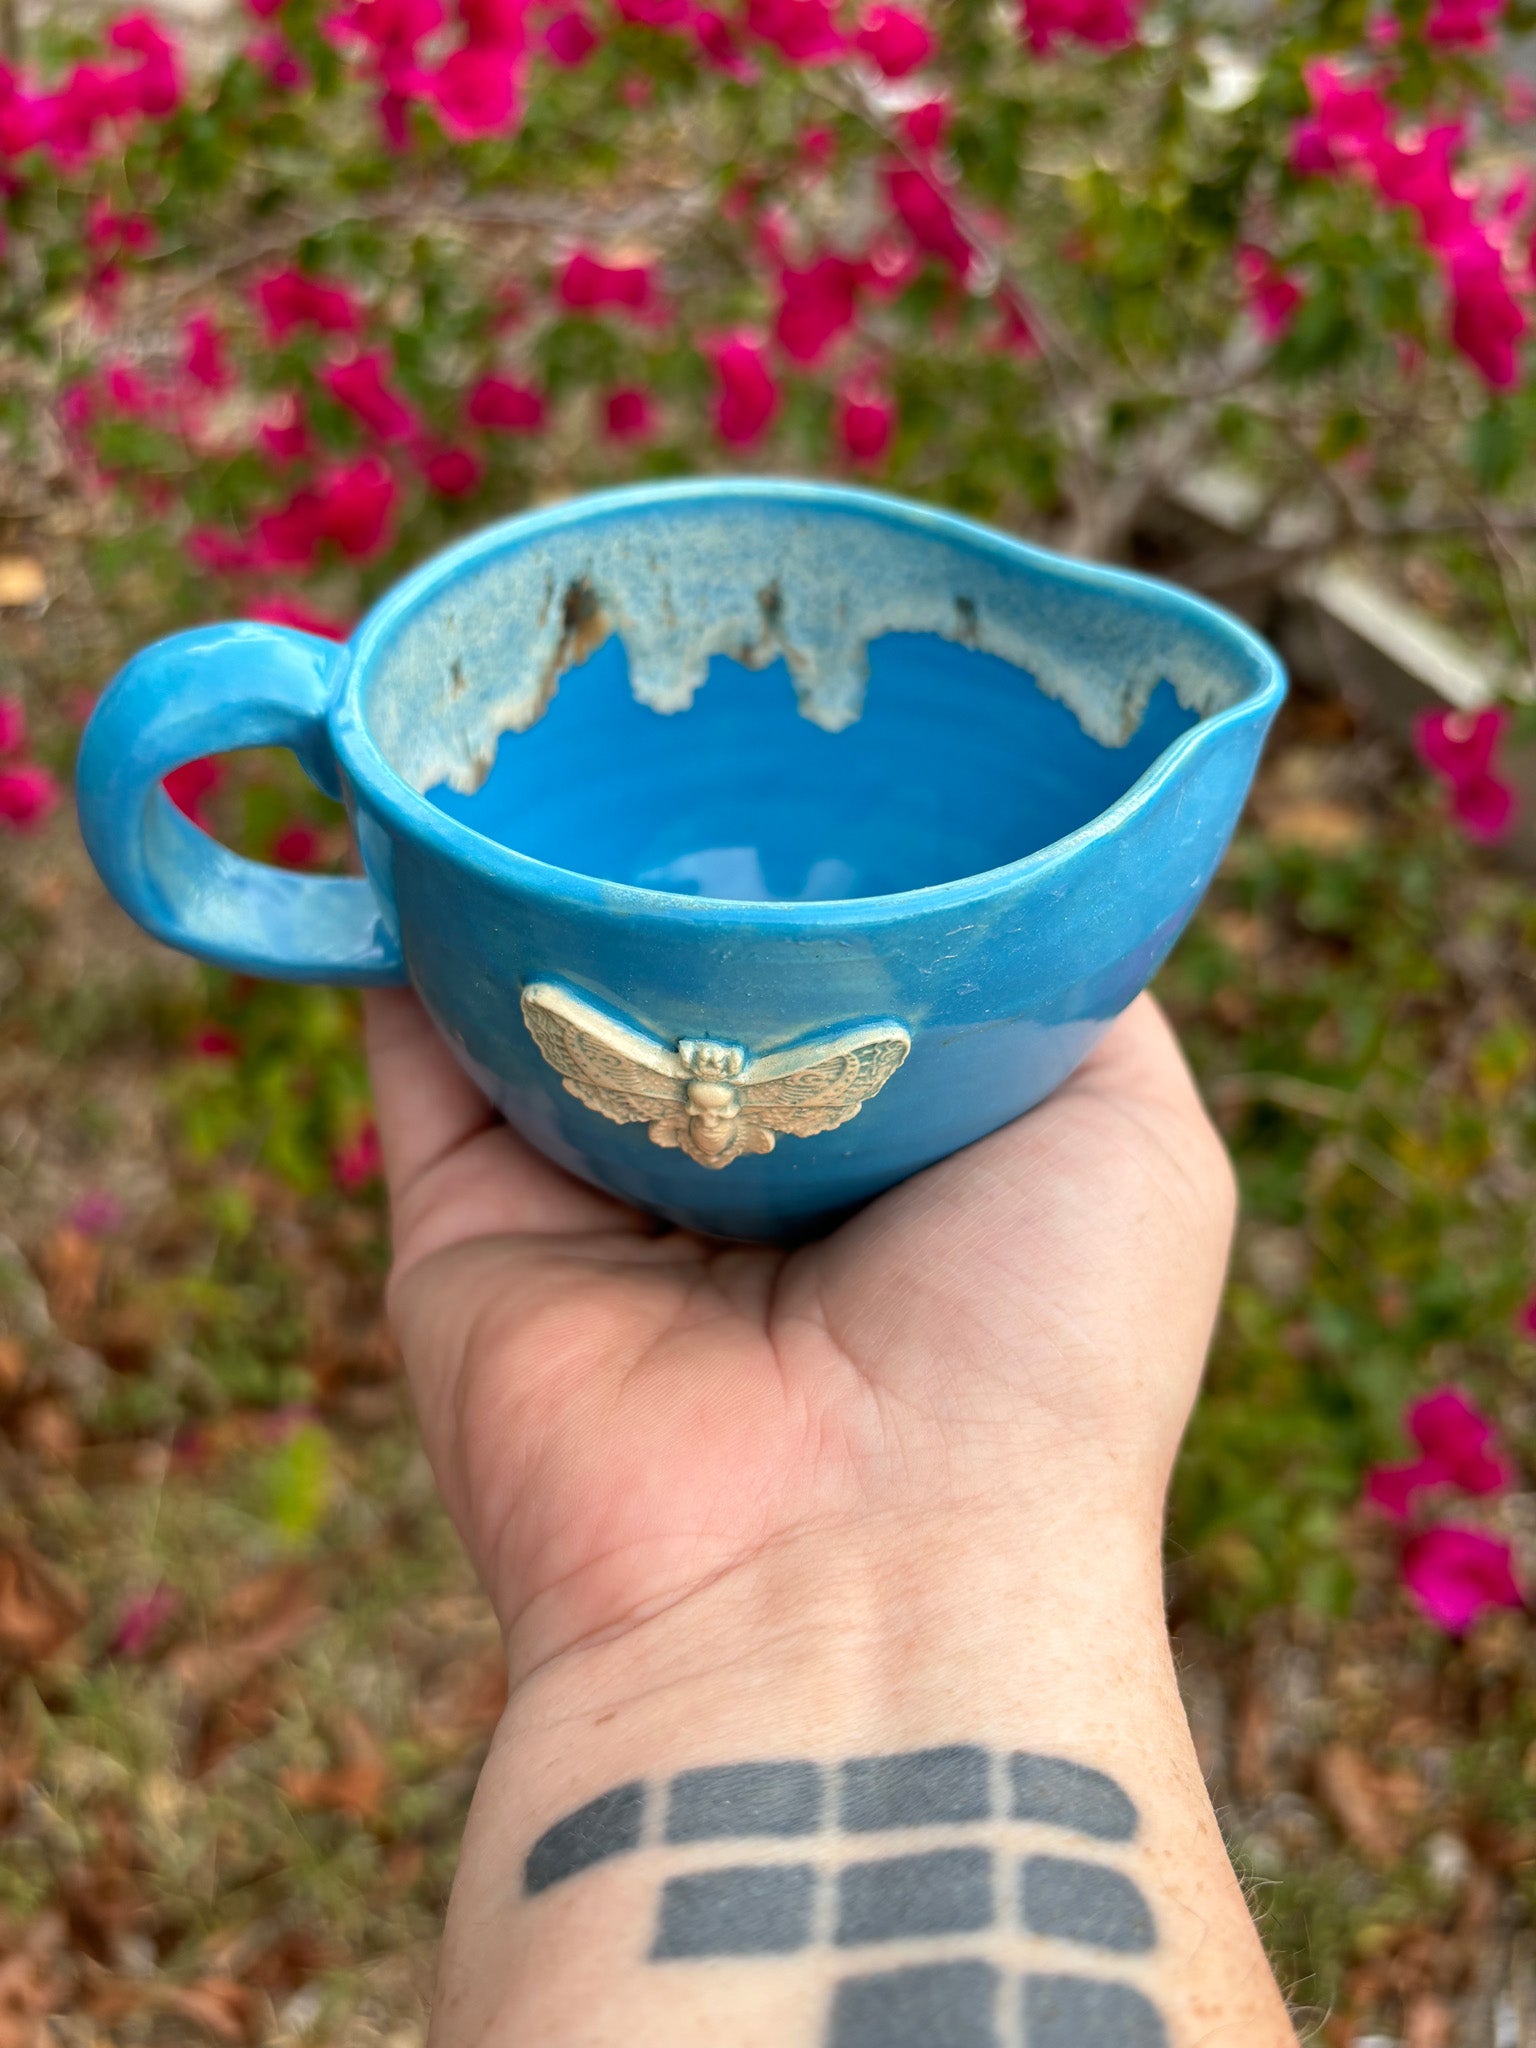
(288, 297)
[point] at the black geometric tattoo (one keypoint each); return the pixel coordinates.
(783, 1905)
(604, 1827)
(758, 1909)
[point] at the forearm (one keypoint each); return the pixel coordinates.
(984, 1705)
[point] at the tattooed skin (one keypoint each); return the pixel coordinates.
(982, 1857)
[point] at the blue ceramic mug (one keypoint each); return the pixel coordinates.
(752, 843)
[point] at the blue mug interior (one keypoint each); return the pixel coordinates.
(761, 700)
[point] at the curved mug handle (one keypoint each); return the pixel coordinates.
(202, 692)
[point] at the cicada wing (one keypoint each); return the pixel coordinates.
(827, 1087)
(620, 1072)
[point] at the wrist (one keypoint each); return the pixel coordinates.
(875, 1631)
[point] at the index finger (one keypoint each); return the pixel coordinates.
(455, 1170)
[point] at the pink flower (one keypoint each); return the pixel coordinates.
(359, 1161)
(818, 147)
(894, 41)
(28, 796)
(129, 391)
(510, 408)
(475, 91)
(866, 420)
(718, 41)
(361, 387)
(587, 283)
(98, 1213)
(1483, 807)
(746, 397)
(142, 1621)
(925, 126)
(1424, 179)
(1273, 298)
(1460, 747)
(213, 1042)
(153, 87)
(110, 233)
(286, 437)
(190, 786)
(392, 29)
(205, 360)
(23, 116)
(1108, 24)
(292, 536)
(1015, 335)
(394, 109)
(628, 414)
(1463, 24)
(803, 31)
(928, 217)
(1455, 1441)
(289, 300)
(495, 25)
(453, 472)
(1525, 1319)
(358, 503)
(816, 305)
(220, 552)
(1457, 1575)
(68, 120)
(292, 611)
(278, 61)
(13, 726)
(890, 264)
(570, 38)
(1486, 322)
(1346, 124)
(297, 845)
(1460, 744)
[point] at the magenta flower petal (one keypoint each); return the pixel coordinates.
(816, 305)
(13, 726)
(28, 795)
(588, 284)
(98, 1213)
(746, 396)
(509, 408)
(141, 1621)
(894, 40)
(1459, 744)
(1395, 1488)
(1458, 1575)
(1483, 807)
(362, 386)
(866, 420)
(1107, 24)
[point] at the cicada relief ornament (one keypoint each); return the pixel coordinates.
(704, 1096)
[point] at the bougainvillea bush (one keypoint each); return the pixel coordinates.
(376, 271)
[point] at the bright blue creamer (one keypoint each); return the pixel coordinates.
(754, 843)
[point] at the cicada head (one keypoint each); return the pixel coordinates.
(710, 1061)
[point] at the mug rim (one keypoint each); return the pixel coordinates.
(409, 811)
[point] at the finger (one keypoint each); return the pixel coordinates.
(454, 1169)
(1138, 1070)
(1139, 1058)
(426, 1105)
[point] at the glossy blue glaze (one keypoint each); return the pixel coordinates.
(557, 771)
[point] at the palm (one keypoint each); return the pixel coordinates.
(617, 1417)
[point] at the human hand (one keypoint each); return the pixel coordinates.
(620, 1416)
